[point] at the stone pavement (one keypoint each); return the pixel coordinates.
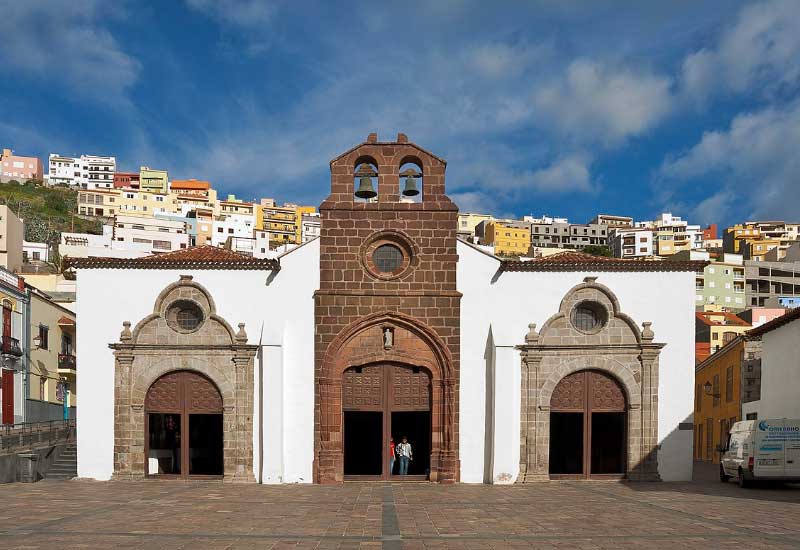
(170, 514)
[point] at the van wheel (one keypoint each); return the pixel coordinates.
(723, 477)
(743, 483)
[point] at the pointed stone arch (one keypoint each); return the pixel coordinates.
(616, 347)
(211, 348)
(361, 343)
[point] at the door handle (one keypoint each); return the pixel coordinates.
(790, 462)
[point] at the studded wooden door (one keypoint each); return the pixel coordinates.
(180, 394)
(599, 398)
(387, 388)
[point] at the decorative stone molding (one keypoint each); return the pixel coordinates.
(620, 349)
(154, 349)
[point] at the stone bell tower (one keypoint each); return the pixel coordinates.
(387, 299)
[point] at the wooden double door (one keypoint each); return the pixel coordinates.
(183, 427)
(588, 427)
(381, 403)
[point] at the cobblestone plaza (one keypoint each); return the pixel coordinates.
(153, 514)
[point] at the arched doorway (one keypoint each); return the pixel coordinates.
(588, 434)
(183, 427)
(380, 402)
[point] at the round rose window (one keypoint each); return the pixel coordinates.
(387, 258)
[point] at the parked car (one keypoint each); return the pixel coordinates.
(762, 450)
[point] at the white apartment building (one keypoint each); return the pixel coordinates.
(232, 225)
(35, 252)
(673, 234)
(311, 225)
(63, 170)
(631, 243)
(87, 245)
(156, 235)
(86, 171)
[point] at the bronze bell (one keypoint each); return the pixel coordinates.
(410, 188)
(365, 188)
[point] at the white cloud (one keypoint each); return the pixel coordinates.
(243, 13)
(593, 102)
(66, 45)
(760, 51)
(755, 159)
(567, 174)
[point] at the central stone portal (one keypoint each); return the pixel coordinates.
(381, 405)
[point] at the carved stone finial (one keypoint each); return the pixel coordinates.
(647, 332)
(589, 280)
(241, 336)
(372, 138)
(402, 138)
(532, 337)
(185, 279)
(125, 335)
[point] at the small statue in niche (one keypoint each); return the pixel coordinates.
(388, 338)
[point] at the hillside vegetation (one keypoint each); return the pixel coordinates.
(46, 211)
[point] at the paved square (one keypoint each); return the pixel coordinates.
(161, 514)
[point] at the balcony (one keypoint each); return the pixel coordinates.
(66, 363)
(10, 346)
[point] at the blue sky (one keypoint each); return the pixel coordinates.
(562, 107)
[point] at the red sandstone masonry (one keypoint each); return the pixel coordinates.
(422, 302)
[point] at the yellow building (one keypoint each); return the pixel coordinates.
(757, 249)
(506, 239)
(53, 368)
(467, 222)
(715, 329)
(283, 223)
(98, 202)
(719, 394)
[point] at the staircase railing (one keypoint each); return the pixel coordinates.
(34, 434)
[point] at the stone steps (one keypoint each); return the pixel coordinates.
(65, 466)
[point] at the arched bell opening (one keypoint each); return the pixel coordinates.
(588, 426)
(183, 427)
(411, 180)
(382, 403)
(365, 180)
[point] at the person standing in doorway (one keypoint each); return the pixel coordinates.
(405, 455)
(392, 456)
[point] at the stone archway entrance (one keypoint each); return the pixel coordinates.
(379, 402)
(588, 435)
(183, 427)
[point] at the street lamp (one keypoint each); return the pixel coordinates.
(707, 390)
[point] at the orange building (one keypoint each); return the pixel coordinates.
(193, 187)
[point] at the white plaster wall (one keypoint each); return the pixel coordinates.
(282, 305)
(510, 301)
(780, 373)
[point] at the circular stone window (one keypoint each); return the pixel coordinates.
(589, 317)
(387, 255)
(387, 258)
(184, 316)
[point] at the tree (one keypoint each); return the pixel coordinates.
(598, 250)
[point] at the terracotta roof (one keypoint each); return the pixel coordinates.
(777, 322)
(702, 351)
(580, 261)
(65, 321)
(199, 257)
(190, 184)
(707, 317)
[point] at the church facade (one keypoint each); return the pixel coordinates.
(203, 363)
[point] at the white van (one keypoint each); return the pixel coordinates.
(762, 450)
